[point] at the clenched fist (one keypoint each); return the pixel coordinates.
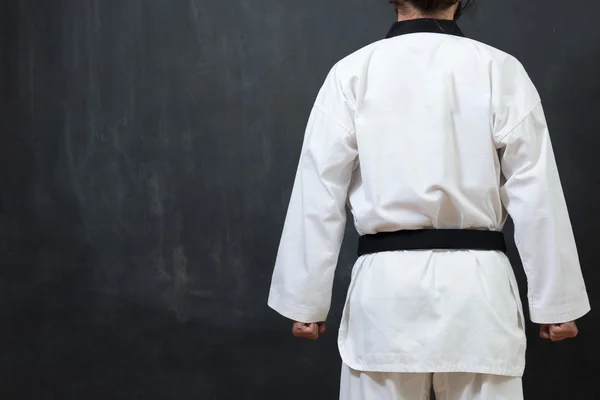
(558, 332)
(309, 331)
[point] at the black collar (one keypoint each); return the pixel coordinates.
(425, 25)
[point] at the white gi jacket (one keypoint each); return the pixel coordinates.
(429, 129)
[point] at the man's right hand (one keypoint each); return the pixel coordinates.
(559, 332)
(309, 331)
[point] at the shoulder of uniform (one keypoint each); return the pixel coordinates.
(500, 57)
(354, 62)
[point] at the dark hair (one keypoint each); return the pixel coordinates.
(430, 6)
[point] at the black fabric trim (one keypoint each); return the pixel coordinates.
(432, 239)
(428, 25)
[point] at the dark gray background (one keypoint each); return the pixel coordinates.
(147, 152)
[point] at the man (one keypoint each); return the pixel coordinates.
(429, 138)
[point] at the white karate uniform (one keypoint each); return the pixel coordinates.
(429, 130)
(357, 385)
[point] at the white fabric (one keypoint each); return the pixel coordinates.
(434, 311)
(429, 131)
(357, 385)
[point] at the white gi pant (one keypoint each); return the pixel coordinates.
(358, 385)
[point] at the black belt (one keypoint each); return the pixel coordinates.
(432, 239)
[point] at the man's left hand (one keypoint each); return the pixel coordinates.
(559, 332)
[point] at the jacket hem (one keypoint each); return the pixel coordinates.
(512, 371)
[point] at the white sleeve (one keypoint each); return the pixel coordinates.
(534, 198)
(302, 282)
